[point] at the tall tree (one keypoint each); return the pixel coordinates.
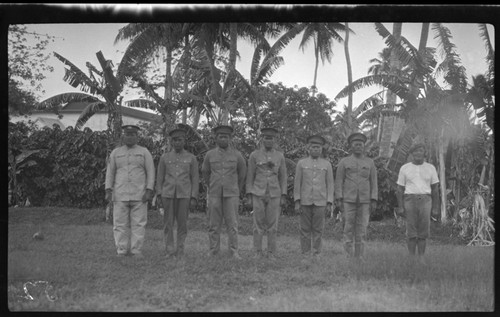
(148, 40)
(99, 83)
(349, 77)
(323, 36)
(26, 67)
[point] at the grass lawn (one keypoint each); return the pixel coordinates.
(75, 269)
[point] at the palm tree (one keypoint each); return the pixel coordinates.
(147, 40)
(349, 77)
(98, 83)
(323, 35)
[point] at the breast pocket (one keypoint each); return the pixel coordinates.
(137, 159)
(231, 164)
(215, 165)
(121, 160)
(364, 171)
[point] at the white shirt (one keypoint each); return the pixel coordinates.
(417, 179)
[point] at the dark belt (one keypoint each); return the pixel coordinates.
(417, 195)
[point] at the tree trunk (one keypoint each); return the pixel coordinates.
(186, 65)
(233, 28)
(442, 178)
(316, 64)
(349, 78)
(389, 121)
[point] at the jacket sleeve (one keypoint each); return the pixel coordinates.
(150, 170)
(110, 171)
(195, 178)
(160, 175)
(205, 169)
(329, 183)
(339, 180)
(242, 171)
(373, 182)
(297, 181)
(283, 176)
(250, 174)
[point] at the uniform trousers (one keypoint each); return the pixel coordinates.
(129, 225)
(356, 217)
(266, 212)
(312, 223)
(176, 210)
(418, 215)
(223, 209)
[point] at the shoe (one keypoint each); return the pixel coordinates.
(271, 256)
(421, 261)
(236, 256)
(258, 255)
(138, 255)
(120, 255)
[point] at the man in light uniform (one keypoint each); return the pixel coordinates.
(266, 189)
(177, 182)
(313, 195)
(130, 177)
(224, 170)
(356, 194)
(418, 182)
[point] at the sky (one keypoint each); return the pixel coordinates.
(80, 42)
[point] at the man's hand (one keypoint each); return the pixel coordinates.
(192, 203)
(329, 209)
(148, 195)
(248, 200)
(340, 204)
(373, 205)
(109, 195)
(434, 212)
(297, 207)
(283, 201)
(400, 211)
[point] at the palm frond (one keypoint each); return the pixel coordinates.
(454, 73)
(393, 83)
(55, 102)
(91, 109)
(490, 52)
(77, 78)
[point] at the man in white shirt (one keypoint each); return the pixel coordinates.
(418, 198)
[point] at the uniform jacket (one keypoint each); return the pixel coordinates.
(178, 175)
(356, 178)
(225, 172)
(130, 172)
(313, 183)
(266, 171)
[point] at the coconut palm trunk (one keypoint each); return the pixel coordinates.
(349, 78)
(389, 122)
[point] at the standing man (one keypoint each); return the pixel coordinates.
(356, 194)
(266, 188)
(130, 177)
(313, 194)
(224, 170)
(418, 181)
(177, 182)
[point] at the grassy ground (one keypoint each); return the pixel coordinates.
(77, 260)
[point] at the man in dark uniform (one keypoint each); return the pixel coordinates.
(266, 188)
(356, 193)
(224, 170)
(177, 182)
(130, 177)
(313, 194)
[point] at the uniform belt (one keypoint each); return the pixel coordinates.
(416, 195)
